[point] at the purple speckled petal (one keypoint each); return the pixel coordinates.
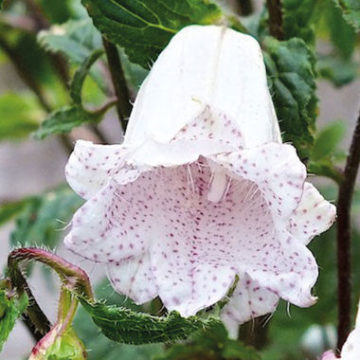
(248, 302)
(313, 216)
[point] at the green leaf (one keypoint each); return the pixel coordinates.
(65, 119)
(9, 210)
(144, 27)
(351, 12)
(298, 18)
(20, 115)
(126, 326)
(342, 35)
(327, 140)
(80, 75)
(11, 309)
(75, 39)
(103, 348)
(339, 71)
(211, 344)
(291, 78)
(43, 217)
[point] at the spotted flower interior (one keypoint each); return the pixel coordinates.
(180, 218)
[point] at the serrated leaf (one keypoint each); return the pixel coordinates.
(342, 35)
(103, 348)
(291, 78)
(351, 12)
(43, 218)
(210, 344)
(126, 326)
(11, 309)
(76, 40)
(65, 119)
(80, 75)
(298, 17)
(144, 27)
(19, 115)
(327, 140)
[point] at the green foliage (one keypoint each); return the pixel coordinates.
(328, 140)
(100, 346)
(9, 210)
(290, 70)
(351, 12)
(298, 19)
(20, 115)
(143, 28)
(342, 35)
(80, 75)
(11, 309)
(126, 326)
(337, 70)
(42, 218)
(67, 346)
(211, 344)
(65, 119)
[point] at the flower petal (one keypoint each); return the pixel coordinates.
(313, 216)
(107, 228)
(277, 171)
(90, 165)
(205, 65)
(134, 278)
(248, 301)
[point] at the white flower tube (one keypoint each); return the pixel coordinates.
(202, 189)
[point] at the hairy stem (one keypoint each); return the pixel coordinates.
(346, 191)
(123, 105)
(72, 277)
(275, 19)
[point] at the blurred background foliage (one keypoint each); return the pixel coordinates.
(51, 44)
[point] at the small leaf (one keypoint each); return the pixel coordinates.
(291, 78)
(65, 119)
(80, 75)
(126, 326)
(327, 140)
(20, 115)
(43, 217)
(11, 309)
(144, 27)
(351, 12)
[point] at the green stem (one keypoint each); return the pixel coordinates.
(123, 105)
(74, 281)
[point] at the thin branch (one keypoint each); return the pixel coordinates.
(346, 192)
(275, 19)
(123, 105)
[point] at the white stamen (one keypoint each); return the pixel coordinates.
(218, 186)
